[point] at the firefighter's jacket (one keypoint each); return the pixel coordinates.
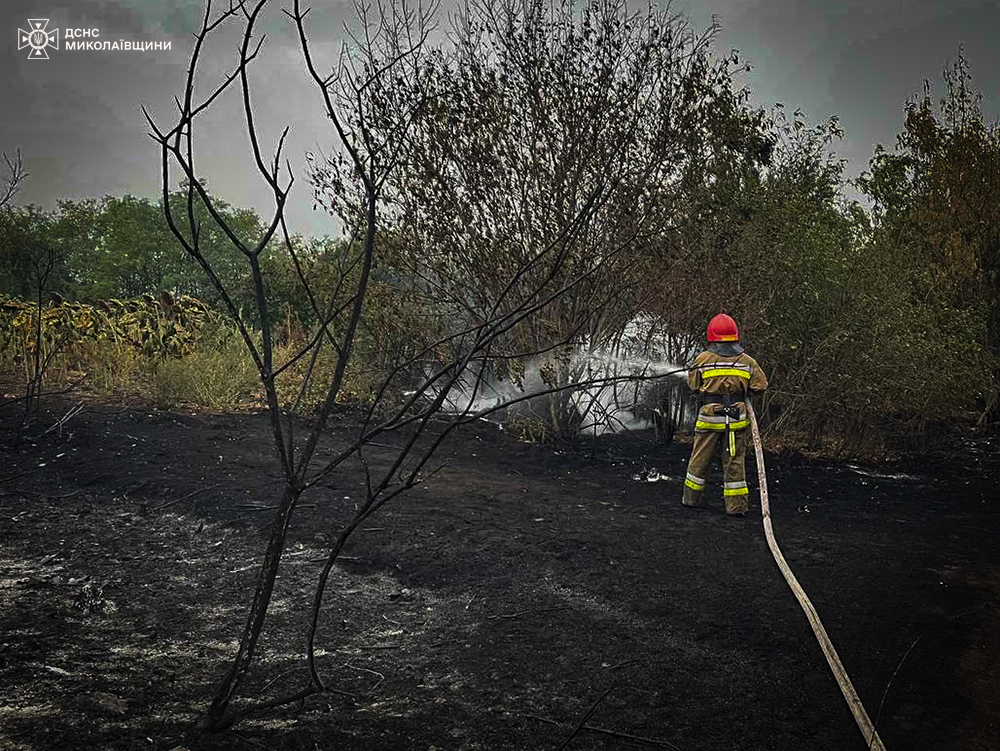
(724, 369)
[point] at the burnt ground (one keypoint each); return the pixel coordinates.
(491, 607)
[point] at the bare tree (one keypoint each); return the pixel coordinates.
(374, 95)
(39, 261)
(44, 261)
(12, 183)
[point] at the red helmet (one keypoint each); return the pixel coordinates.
(722, 328)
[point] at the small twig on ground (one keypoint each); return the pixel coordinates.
(64, 495)
(509, 616)
(435, 471)
(17, 399)
(878, 714)
(73, 412)
(279, 677)
(586, 716)
(19, 474)
(354, 558)
(185, 497)
(612, 733)
(381, 677)
(249, 507)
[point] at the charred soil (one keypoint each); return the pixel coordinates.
(491, 607)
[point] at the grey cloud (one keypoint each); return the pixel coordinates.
(77, 115)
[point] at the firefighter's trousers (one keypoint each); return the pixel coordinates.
(710, 434)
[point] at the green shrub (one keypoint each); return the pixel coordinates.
(219, 374)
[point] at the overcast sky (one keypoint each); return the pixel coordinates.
(76, 115)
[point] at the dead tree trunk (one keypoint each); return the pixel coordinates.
(218, 715)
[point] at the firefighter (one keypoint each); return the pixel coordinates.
(722, 376)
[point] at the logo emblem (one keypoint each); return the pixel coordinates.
(38, 39)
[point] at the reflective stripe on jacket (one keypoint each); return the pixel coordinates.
(715, 373)
(720, 371)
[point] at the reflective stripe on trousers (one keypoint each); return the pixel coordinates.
(734, 491)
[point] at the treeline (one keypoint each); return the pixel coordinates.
(99, 267)
(883, 325)
(630, 149)
(122, 247)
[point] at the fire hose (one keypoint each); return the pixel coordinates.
(846, 687)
